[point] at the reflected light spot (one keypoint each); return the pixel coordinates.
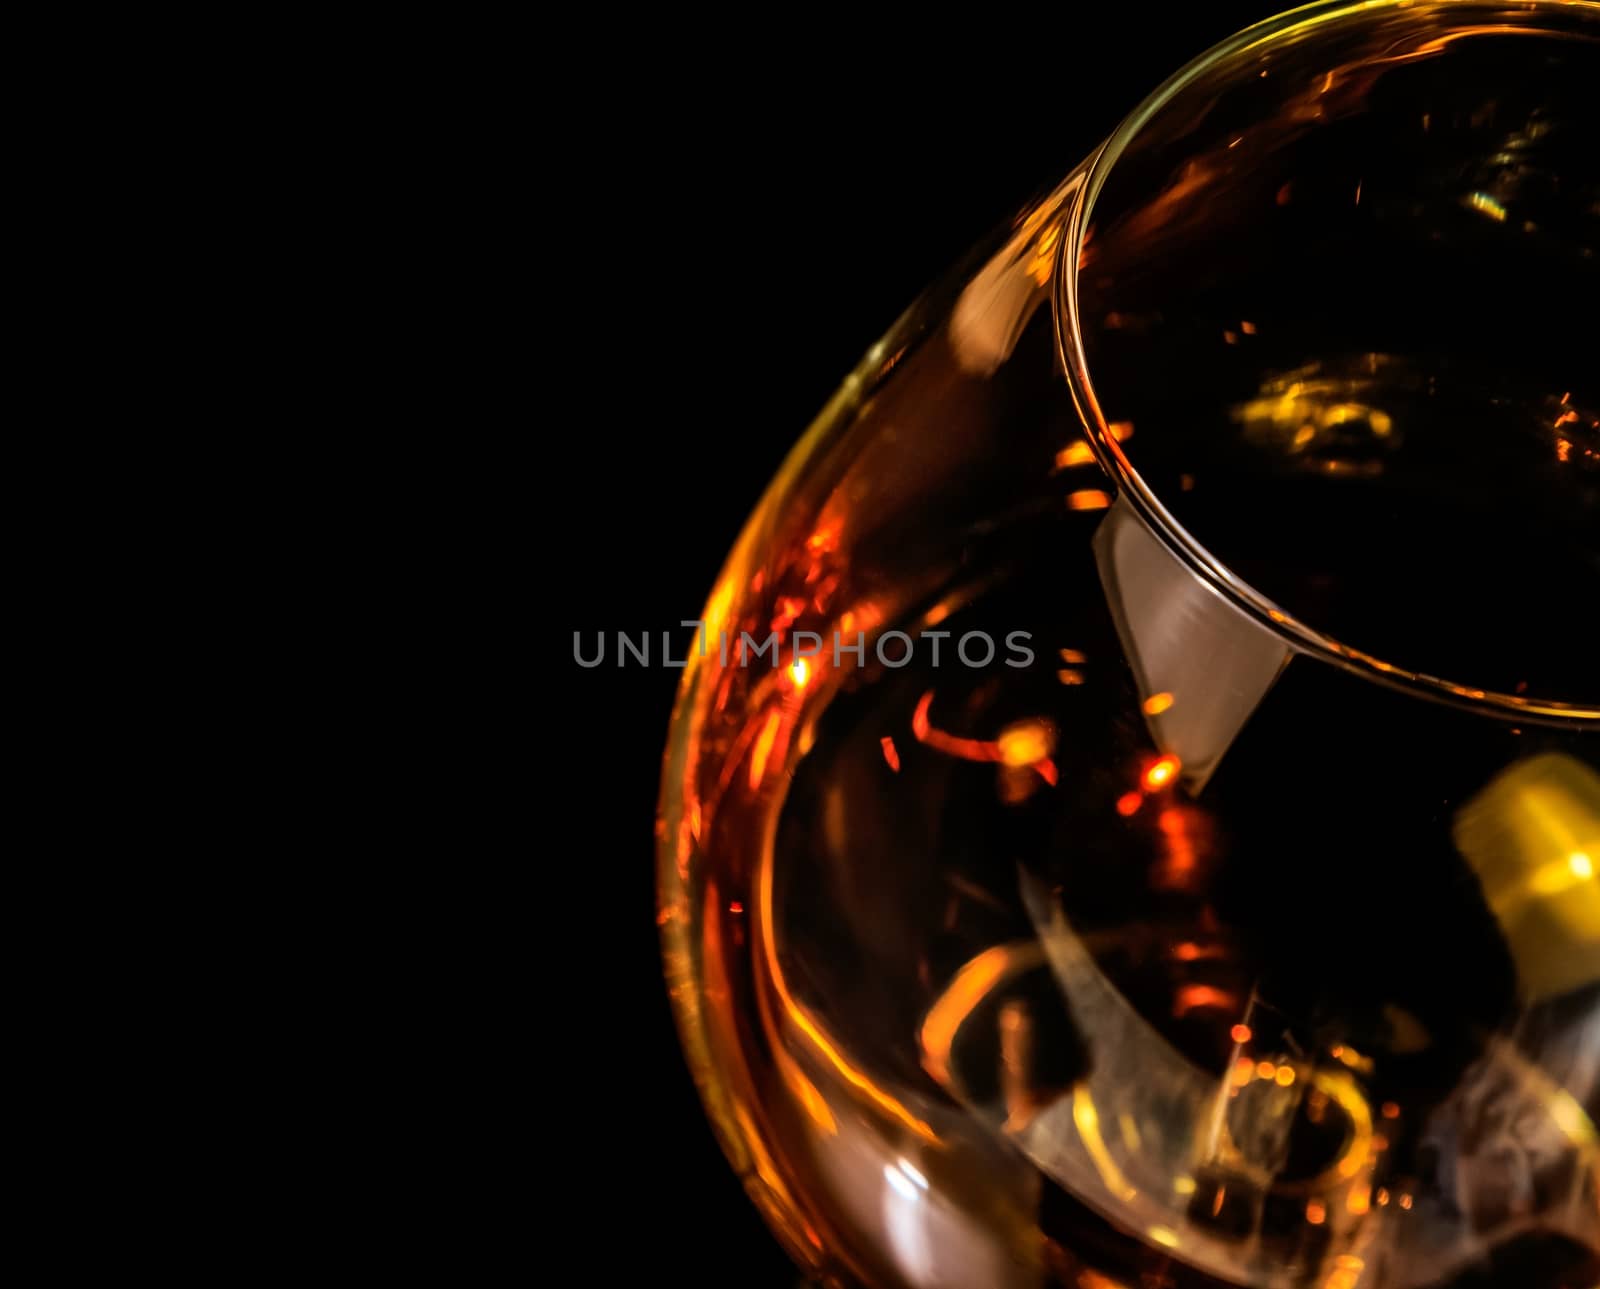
(735, 907)
(1076, 453)
(801, 671)
(1074, 656)
(916, 1177)
(899, 1182)
(1067, 676)
(1129, 802)
(1121, 431)
(811, 1101)
(1316, 1212)
(1391, 1110)
(1359, 1201)
(1405, 1202)
(1087, 1121)
(1198, 997)
(1157, 703)
(1087, 499)
(1164, 1236)
(1487, 205)
(1266, 1070)
(1161, 773)
(1026, 742)
(1581, 865)
(1183, 1185)
(1285, 1076)
(1243, 1072)
(889, 753)
(763, 749)
(1240, 1033)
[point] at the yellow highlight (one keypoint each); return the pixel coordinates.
(1026, 743)
(1087, 1119)
(969, 987)
(1076, 453)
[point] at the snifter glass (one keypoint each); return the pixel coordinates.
(1155, 843)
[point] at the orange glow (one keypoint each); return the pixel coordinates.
(1285, 1076)
(1076, 453)
(1198, 997)
(1243, 1072)
(1026, 742)
(766, 938)
(1074, 656)
(1240, 1033)
(1157, 703)
(1347, 1271)
(972, 984)
(1266, 1070)
(815, 1107)
(1178, 868)
(1121, 431)
(1161, 772)
(1391, 1110)
(1129, 802)
(1087, 499)
(735, 907)
(1249, 328)
(1405, 1201)
(1563, 450)
(889, 753)
(763, 748)
(825, 539)
(1569, 417)
(968, 749)
(1316, 1212)
(1069, 677)
(1359, 1200)
(1383, 1197)
(801, 671)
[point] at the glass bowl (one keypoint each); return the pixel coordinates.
(1131, 812)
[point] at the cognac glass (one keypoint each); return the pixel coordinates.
(1130, 818)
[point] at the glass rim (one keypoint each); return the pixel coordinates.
(1299, 635)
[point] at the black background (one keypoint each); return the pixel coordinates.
(736, 222)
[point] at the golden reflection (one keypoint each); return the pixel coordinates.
(1088, 499)
(1076, 453)
(1087, 1120)
(1157, 703)
(1530, 836)
(806, 1028)
(971, 985)
(1161, 773)
(1321, 416)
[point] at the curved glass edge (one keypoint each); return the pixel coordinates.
(1024, 250)
(1301, 636)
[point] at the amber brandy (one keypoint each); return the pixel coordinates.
(1248, 932)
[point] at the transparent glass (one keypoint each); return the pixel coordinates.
(1215, 904)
